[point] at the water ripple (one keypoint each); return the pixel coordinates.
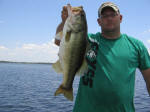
(31, 88)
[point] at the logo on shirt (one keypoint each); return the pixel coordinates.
(91, 60)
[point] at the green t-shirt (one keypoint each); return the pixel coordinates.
(108, 86)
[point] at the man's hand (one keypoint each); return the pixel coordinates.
(146, 75)
(64, 15)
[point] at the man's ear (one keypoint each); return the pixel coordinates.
(99, 21)
(121, 18)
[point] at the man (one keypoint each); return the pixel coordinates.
(108, 86)
(64, 15)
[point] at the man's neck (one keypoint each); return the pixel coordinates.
(111, 35)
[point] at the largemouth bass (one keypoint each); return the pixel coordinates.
(72, 50)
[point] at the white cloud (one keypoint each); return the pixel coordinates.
(46, 52)
(3, 48)
(148, 41)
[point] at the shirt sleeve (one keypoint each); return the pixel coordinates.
(144, 58)
(91, 38)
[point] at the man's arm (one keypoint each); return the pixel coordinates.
(59, 28)
(146, 75)
(64, 15)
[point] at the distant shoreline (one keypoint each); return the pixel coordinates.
(25, 62)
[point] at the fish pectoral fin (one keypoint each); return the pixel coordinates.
(57, 67)
(67, 36)
(83, 68)
(68, 93)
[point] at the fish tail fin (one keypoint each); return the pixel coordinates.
(68, 93)
(57, 67)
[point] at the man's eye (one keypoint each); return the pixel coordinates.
(109, 15)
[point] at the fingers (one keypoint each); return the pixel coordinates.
(64, 8)
(64, 13)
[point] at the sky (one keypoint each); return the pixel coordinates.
(27, 27)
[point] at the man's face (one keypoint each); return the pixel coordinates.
(109, 20)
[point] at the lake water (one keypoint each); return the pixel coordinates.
(31, 87)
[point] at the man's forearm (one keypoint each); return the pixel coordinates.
(60, 27)
(146, 75)
(148, 83)
(148, 87)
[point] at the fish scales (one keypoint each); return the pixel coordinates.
(72, 50)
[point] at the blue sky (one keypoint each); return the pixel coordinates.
(27, 27)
